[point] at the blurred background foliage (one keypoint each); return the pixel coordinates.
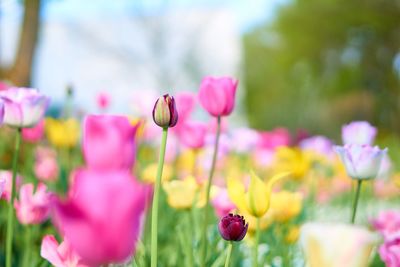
(322, 63)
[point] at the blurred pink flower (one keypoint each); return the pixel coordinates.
(217, 95)
(23, 107)
(318, 144)
(387, 222)
(358, 132)
(103, 214)
(109, 142)
(61, 255)
(193, 134)
(32, 208)
(103, 100)
(361, 161)
(4, 86)
(222, 203)
(385, 189)
(389, 251)
(185, 103)
(275, 138)
(244, 139)
(7, 176)
(46, 166)
(34, 134)
(2, 185)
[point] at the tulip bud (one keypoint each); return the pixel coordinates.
(165, 113)
(233, 227)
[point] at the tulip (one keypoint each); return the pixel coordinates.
(233, 227)
(60, 255)
(245, 139)
(285, 205)
(217, 95)
(23, 107)
(117, 214)
(185, 103)
(389, 251)
(181, 193)
(274, 139)
(6, 176)
(222, 203)
(361, 161)
(358, 132)
(193, 134)
(2, 185)
(34, 134)
(46, 166)
(62, 133)
(165, 113)
(292, 160)
(319, 145)
(149, 173)
(108, 142)
(336, 245)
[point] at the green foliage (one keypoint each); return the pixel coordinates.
(321, 63)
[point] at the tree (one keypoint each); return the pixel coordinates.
(321, 63)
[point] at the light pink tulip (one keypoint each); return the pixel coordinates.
(358, 132)
(102, 216)
(23, 107)
(275, 138)
(109, 142)
(32, 208)
(34, 134)
(222, 203)
(389, 251)
(46, 166)
(60, 255)
(7, 176)
(193, 134)
(103, 100)
(217, 95)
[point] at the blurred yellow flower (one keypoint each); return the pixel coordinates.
(293, 234)
(140, 123)
(149, 173)
(186, 162)
(285, 205)
(62, 133)
(181, 194)
(256, 200)
(292, 160)
(265, 221)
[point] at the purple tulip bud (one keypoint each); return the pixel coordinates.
(165, 113)
(233, 227)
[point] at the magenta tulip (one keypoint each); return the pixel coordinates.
(103, 100)
(217, 95)
(109, 142)
(34, 134)
(60, 255)
(193, 134)
(23, 107)
(103, 215)
(33, 208)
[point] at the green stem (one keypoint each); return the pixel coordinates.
(355, 203)
(154, 212)
(10, 218)
(257, 241)
(26, 258)
(190, 233)
(228, 255)
(203, 253)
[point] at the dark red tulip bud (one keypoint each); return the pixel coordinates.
(165, 113)
(233, 227)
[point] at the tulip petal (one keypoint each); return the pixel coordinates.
(49, 251)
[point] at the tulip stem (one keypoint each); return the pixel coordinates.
(355, 203)
(229, 253)
(154, 211)
(256, 242)
(28, 234)
(203, 253)
(10, 217)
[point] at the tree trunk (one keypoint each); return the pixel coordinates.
(19, 74)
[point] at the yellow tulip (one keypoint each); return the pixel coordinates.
(285, 205)
(292, 160)
(181, 194)
(256, 200)
(293, 235)
(336, 245)
(149, 173)
(62, 133)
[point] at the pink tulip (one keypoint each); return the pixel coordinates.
(275, 138)
(46, 166)
(23, 107)
(387, 222)
(34, 134)
(103, 214)
(389, 251)
(222, 203)
(217, 95)
(2, 185)
(185, 103)
(60, 255)
(318, 144)
(33, 208)
(7, 176)
(109, 142)
(193, 134)
(103, 100)
(358, 132)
